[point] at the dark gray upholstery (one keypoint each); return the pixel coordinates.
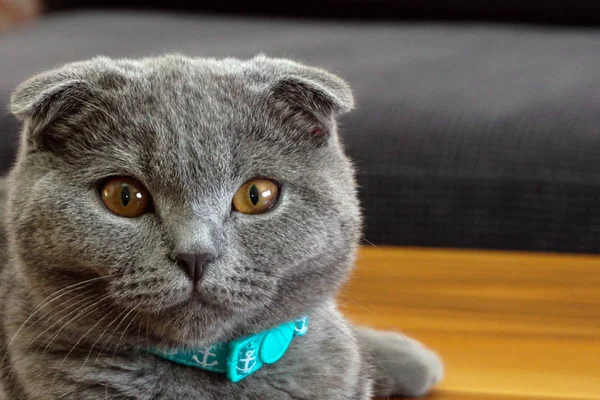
(465, 135)
(529, 11)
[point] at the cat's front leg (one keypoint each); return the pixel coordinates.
(52, 376)
(43, 388)
(401, 366)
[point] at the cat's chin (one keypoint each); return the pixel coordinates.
(194, 323)
(191, 307)
(198, 303)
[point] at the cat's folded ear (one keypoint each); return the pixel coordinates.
(298, 89)
(314, 90)
(43, 98)
(52, 101)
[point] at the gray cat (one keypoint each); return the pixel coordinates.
(160, 206)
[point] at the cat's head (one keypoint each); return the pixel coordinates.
(141, 177)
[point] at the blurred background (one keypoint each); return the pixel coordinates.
(477, 122)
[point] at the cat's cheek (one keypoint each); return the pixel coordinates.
(157, 291)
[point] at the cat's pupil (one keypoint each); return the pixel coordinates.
(254, 195)
(125, 195)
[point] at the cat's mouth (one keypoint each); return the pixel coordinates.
(223, 299)
(213, 298)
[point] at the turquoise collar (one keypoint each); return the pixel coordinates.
(242, 357)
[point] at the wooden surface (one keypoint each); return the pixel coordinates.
(508, 325)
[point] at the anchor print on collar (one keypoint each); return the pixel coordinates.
(241, 357)
(211, 358)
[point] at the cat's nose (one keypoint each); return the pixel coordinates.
(193, 264)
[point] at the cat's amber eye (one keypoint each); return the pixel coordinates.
(125, 197)
(256, 196)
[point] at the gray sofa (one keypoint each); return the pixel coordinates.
(466, 135)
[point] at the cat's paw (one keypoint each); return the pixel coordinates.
(403, 366)
(418, 369)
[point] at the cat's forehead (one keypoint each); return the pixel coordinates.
(188, 127)
(189, 98)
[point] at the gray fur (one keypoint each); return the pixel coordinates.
(3, 255)
(193, 131)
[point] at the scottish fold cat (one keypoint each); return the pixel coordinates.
(170, 218)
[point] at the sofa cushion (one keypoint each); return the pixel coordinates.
(538, 11)
(464, 136)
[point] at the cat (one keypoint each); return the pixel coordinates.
(173, 203)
